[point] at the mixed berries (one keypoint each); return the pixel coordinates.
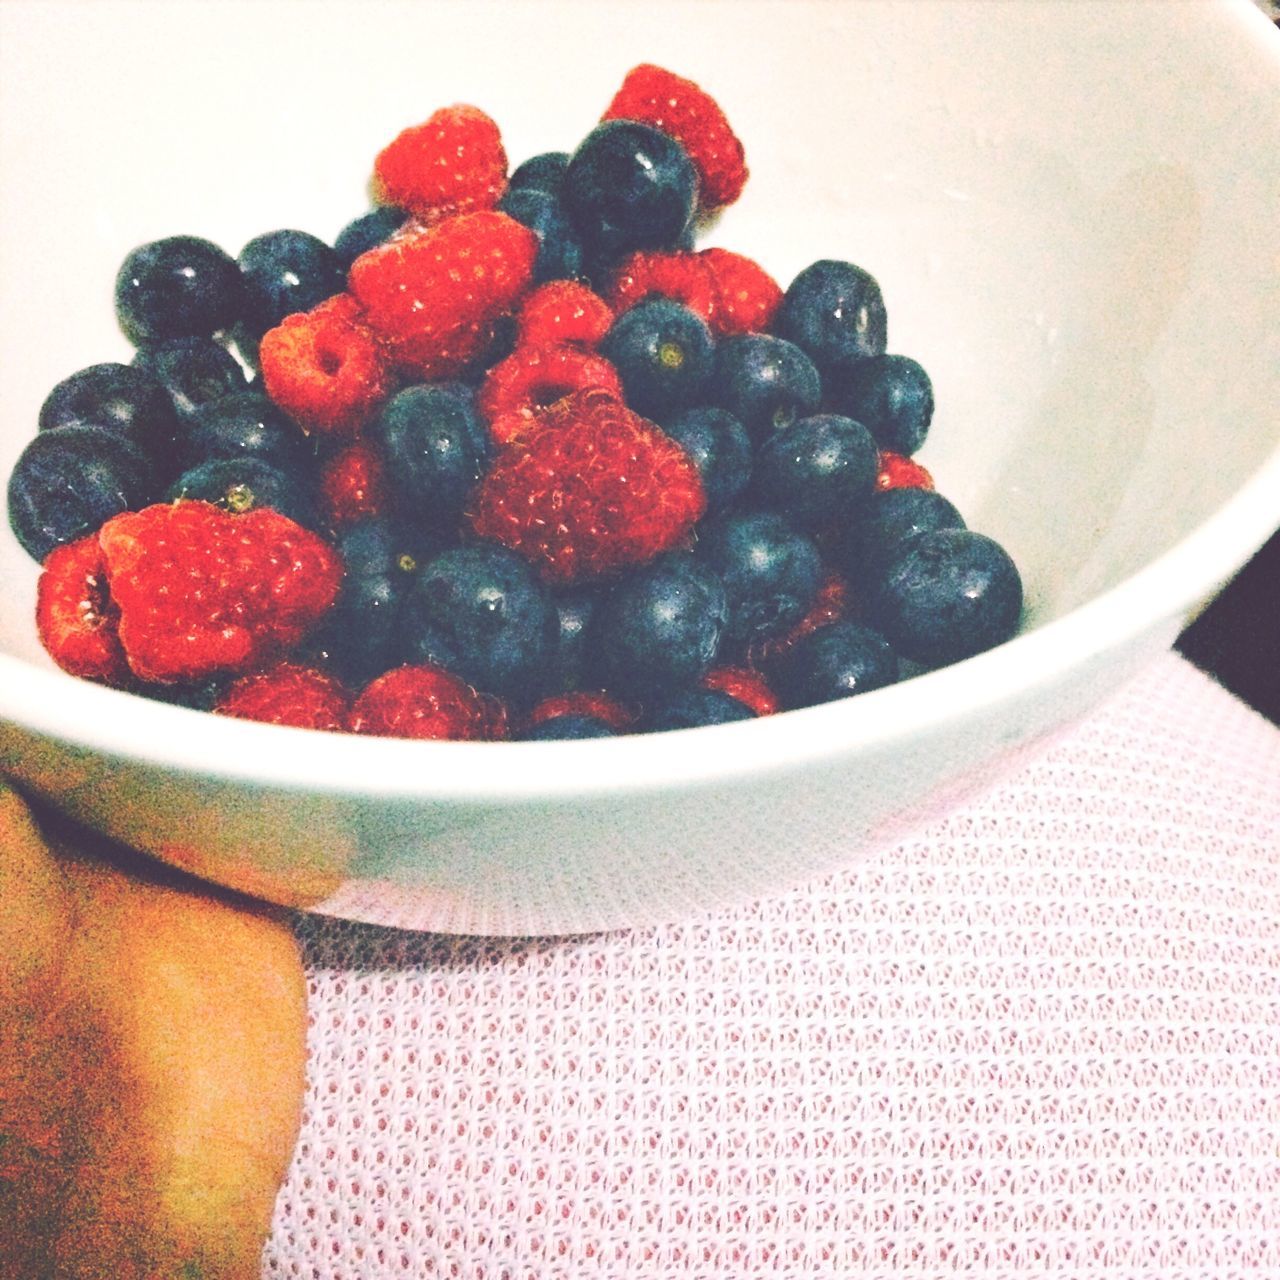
(511, 458)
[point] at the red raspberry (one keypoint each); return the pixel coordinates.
(746, 296)
(75, 615)
(353, 485)
(830, 605)
(202, 591)
(426, 702)
(324, 368)
(563, 311)
(453, 163)
(288, 694)
(583, 703)
(680, 108)
(593, 488)
(433, 296)
(898, 472)
(531, 378)
(747, 686)
(683, 277)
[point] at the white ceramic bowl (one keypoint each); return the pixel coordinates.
(1072, 209)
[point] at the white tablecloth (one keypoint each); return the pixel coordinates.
(1042, 1037)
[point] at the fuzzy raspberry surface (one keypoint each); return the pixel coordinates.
(747, 686)
(747, 297)
(899, 472)
(425, 701)
(830, 605)
(353, 485)
(433, 296)
(290, 694)
(583, 702)
(682, 109)
(531, 378)
(563, 311)
(453, 162)
(76, 618)
(201, 591)
(593, 488)
(682, 277)
(325, 368)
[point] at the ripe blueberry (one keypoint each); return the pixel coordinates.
(193, 371)
(720, 448)
(178, 287)
(284, 272)
(835, 661)
(765, 382)
(560, 253)
(663, 353)
(834, 311)
(119, 396)
(367, 232)
(890, 395)
(544, 172)
(881, 527)
(244, 424)
(692, 708)
(562, 728)
(247, 483)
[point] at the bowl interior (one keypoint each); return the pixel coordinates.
(1070, 209)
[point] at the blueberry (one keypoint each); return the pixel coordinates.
(360, 635)
(658, 629)
(719, 447)
(247, 483)
(562, 728)
(178, 287)
(692, 708)
(817, 470)
(885, 521)
(118, 396)
(663, 353)
(244, 424)
(765, 382)
(193, 371)
(560, 255)
(629, 186)
(891, 396)
(481, 612)
(543, 172)
(770, 570)
(430, 438)
(947, 595)
(70, 480)
(834, 311)
(835, 661)
(367, 232)
(574, 609)
(285, 272)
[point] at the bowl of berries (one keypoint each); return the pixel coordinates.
(440, 499)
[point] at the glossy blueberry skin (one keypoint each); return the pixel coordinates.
(629, 186)
(574, 609)
(244, 424)
(118, 396)
(891, 395)
(835, 661)
(284, 272)
(248, 483)
(360, 635)
(817, 471)
(430, 440)
(193, 371)
(481, 612)
(367, 232)
(771, 572)
(543, 172)
(178, 287)
(766, 383)
(70, 480)
(719, 447)
(886, 520)
(835, 313)
(693, 708)
(663, 353)
(560, 252)
(659, 629)
(947, 595)
(568, 728)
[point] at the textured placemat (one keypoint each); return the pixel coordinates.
(1040, 1038)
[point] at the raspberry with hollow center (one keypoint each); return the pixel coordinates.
(288, 694)
(426, 701)
(532, 378)
(591, 489)
(563, 311)
(682, 277)
(747, 297)
(747, 686)
(899, 472)
(75, 616)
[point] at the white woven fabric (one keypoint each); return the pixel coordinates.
(1040, 1038)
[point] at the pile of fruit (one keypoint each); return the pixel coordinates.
(515, 459)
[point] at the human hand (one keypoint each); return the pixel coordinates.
(152, 1063)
